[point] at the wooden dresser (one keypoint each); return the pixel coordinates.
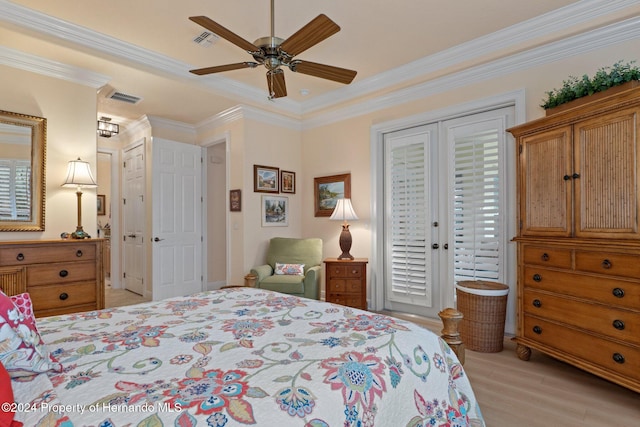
(61, 276)
(346, 282)
(578, 239)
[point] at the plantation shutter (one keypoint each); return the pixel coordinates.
(408, 231)
(15, 190)
(478, 222)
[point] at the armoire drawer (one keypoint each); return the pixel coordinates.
(623, 325)
(609, 355)
(611, 264)
(63, 272)
(63, 296)
(621, 293)
(548, 257)
(25, 255)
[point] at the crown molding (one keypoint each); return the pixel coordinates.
(577, 45)
(557, 20)
(240, 112)
(35, 64)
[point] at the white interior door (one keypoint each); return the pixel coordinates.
(177, 218)
(133, 219)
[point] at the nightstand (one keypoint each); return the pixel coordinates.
(346, 282)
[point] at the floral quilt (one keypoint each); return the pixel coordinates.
(245, 356)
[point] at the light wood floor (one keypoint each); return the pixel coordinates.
(543, 392)
(120, 297)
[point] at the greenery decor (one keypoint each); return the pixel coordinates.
(606, 77)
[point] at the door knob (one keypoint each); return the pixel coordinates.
(131, 235)
(157, 239)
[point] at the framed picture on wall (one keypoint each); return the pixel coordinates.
(327, 190)
(287, 182)
(265, 179)
(275, 211)
(101, 204)
(235, 200)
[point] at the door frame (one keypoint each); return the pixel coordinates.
(376, 278)
(116, 279)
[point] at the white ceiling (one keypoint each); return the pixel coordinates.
(145, 48)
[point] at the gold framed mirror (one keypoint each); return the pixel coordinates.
(22, 171)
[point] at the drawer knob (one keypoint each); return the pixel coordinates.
(606, 264)
(20, 257)
(63, 296)
(78, 253)
(63, 273)
(618, 324)
(537, 278)
(537, 303)
(618, 292)
(545, 256)
(618, 358)
(537, 330)
(354, 271)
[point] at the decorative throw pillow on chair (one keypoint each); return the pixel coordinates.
(289, 269)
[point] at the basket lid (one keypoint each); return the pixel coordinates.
(483, 287)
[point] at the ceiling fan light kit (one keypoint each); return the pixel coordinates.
(274, 53)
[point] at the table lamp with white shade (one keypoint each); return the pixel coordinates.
(344, 212)
(79, 176)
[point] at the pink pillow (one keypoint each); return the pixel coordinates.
(23, 351)
(289, 269)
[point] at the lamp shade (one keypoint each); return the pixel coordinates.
(79, 175)
(344, 211)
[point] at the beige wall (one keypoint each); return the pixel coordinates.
(70, 110)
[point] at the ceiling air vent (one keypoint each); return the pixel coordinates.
(206, 39)
(119, 96)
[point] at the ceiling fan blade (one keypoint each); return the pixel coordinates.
(329, 72)
(228, 35)
(221, 68)
(277, 86)
(320, 28)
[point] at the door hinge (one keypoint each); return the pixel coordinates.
(124, 164)
(124, 201)
(520, 149)
(124, 275)
(124, 238)
(201, 238)
(520, 224)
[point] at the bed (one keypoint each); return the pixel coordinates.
(244, 356)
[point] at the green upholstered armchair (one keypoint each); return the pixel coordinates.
(285, 250)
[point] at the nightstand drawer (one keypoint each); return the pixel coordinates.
(345, 286)
(64, 272)
(348, 300)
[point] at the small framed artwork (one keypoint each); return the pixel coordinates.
(287, 182)
(101, 204)
(275, 211)
(265, 179)
(235, 200)
(327, 190)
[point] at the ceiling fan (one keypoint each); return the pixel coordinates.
(274, 52)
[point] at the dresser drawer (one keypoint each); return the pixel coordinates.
(623, 325)
(611, 264)
(23, 255)
(591, 349)
(548, 257)
(63, 272)
(345, 286)
(63, 296)
(621, 293)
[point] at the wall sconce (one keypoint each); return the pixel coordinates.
(79, 175)
(344, 212)
(106, 129)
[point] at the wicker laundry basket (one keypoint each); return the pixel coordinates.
(483, 305)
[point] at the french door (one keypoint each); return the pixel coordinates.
(445, 210)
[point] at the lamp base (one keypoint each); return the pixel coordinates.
(345, 243)
(80, 234)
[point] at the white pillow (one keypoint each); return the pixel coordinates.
(290, 269)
